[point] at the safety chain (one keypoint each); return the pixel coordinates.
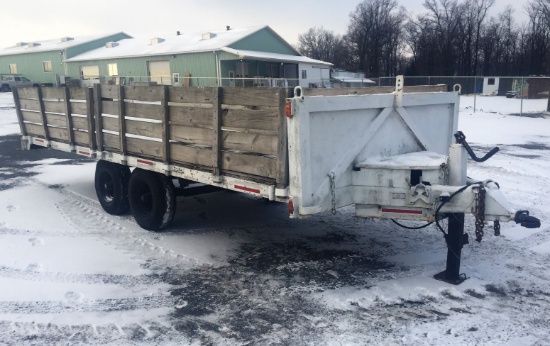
(333, 191)
(480, 212)
(497, 228)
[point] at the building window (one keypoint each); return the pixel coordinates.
(491, 81)
(89, 72)
(304, 74)
(175, 78)
(47, 66)
(13, 68)
(113, 70)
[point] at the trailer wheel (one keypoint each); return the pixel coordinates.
(111, 186)
(152, 199)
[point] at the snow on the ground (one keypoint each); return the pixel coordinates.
(233, 269)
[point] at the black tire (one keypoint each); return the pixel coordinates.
(152, 199)
(111, 187)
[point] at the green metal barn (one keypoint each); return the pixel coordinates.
(44, 61)
(255, 56)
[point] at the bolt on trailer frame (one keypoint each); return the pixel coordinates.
(389, 153)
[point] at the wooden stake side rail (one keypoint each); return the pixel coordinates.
(237, 133)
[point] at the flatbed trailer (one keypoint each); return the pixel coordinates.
(390, 152)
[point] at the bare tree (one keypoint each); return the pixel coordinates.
(321, 44)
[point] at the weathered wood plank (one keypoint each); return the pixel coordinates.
(68, 115)
(142, 128)
(140, 147)
(191, 135)
(121, 119)
(251, 97)
(252, 143)
(165, 126)
(110, 124)
(190, 155)
(33, 129)
(111, 142)
(56, 120)
(144, 111)
(78, 93)
(52, 93)
(190, 95)
(43, 113)
(54, 107)
(109, 107)
(249, 164)
(27, 93)
(59, 133)
(81, 138)
(98, 118)
(90, 118)
(217, 130)
(32, 117)
(143, 93)
(79, 108)
(19, 112)
(282, 144)
(31, 105)
(80, 123)
(109, 91)
(191, 116)
(252, 119)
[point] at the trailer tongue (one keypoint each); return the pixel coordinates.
(390, 154)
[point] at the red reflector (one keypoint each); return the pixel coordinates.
(247, 189)
(145, 162)
(291, 207)
(402, 211)
(39, 140)
(288, 109)
(84, 153)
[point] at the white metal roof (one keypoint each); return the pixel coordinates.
(246, 54)
(52, 45)
(174, 44)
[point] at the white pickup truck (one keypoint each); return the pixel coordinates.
(391, 153)
(9, 81)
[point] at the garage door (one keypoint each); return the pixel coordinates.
(159, 71)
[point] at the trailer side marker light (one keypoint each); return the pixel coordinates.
(145, 162)
(288, 109)
(291, 207)
(247, 189)
(402, 211)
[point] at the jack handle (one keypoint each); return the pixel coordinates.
(461, 139)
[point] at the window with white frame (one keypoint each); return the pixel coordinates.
(89, 72)
(304, 74)
(175, 78)
(113, 69)
(47, 66)
(13, 68)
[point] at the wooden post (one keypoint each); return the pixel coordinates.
(68, 115)
(98, 116)
(165, 125)
(43, 114)
(217, 128)
(19, 112)
(122, 120)
(90, 118)
(282, 145)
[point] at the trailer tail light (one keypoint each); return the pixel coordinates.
(291, 207)
(288, 109)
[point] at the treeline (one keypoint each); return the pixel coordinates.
(451, 37)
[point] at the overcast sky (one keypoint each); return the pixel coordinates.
(28, 20)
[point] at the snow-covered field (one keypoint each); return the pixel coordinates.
(234, 270)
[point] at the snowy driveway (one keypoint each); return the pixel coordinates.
(233, 269)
